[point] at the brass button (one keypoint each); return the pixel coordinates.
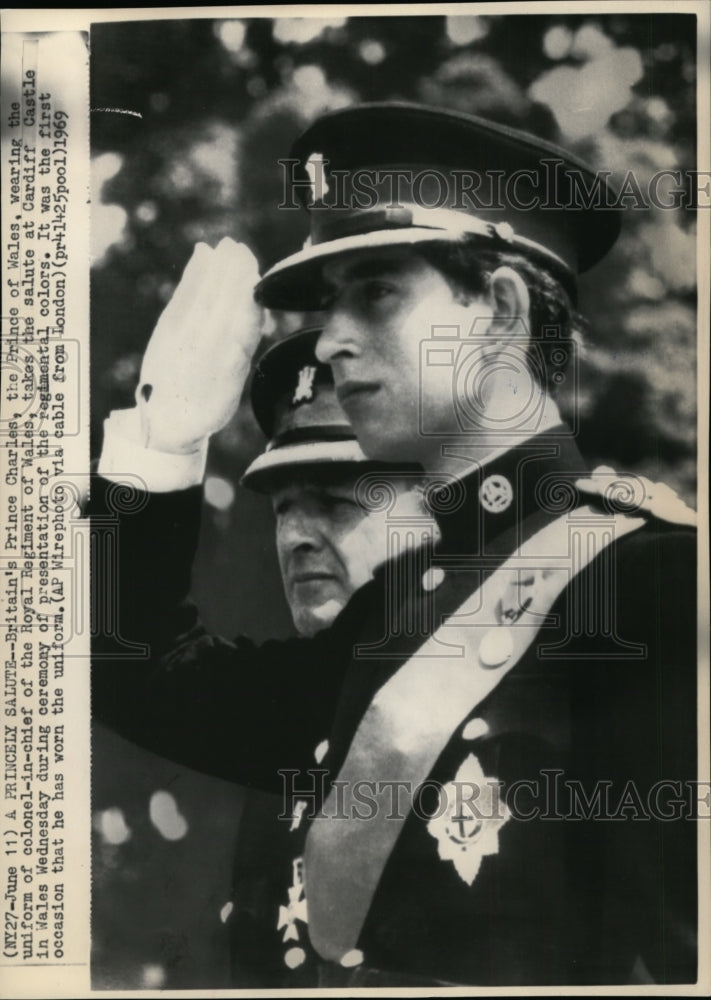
(496, 647)
(474, 729)
(352, 958)
(495, 494)
(295, 957)
(432, 578)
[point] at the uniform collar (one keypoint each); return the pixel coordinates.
(492, 499)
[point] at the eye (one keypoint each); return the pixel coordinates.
(327, 298)
(374, 290)
(282, 506)
(338, 503)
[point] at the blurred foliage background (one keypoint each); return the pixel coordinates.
(215, 105)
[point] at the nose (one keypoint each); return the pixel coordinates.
(298, 531)
(339, 337)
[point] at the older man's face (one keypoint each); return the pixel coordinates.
(327, 544)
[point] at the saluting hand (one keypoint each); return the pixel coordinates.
(199, 354)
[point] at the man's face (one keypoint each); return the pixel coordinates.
(327, 545)
(383, 305)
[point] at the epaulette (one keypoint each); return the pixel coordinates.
(636, 493)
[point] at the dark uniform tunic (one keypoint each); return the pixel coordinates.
(585, 882)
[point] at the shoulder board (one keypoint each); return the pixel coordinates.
(638, 494)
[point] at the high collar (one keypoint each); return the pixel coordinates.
(492, 499)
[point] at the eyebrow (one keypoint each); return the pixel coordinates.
(373, 267)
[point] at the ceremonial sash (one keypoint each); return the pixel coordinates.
(414, 714)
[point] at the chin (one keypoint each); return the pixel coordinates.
(306, 626)
(386, 449)
(310, 620)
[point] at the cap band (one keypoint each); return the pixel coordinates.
(328, 225)
(312, 432)
(288, 461)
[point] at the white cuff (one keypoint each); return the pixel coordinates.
(123, 455)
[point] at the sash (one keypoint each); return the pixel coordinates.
(413, 715)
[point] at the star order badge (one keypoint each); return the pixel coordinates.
(467, 823)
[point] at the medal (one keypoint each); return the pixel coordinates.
(296, 907)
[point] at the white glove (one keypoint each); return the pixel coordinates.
(198, 357)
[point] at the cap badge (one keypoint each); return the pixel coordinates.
(304, 391)
(315, 168)
(468, 819)
(495, 494)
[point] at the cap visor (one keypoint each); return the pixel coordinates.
(295, 283)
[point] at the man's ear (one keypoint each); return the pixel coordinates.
(511, 302)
